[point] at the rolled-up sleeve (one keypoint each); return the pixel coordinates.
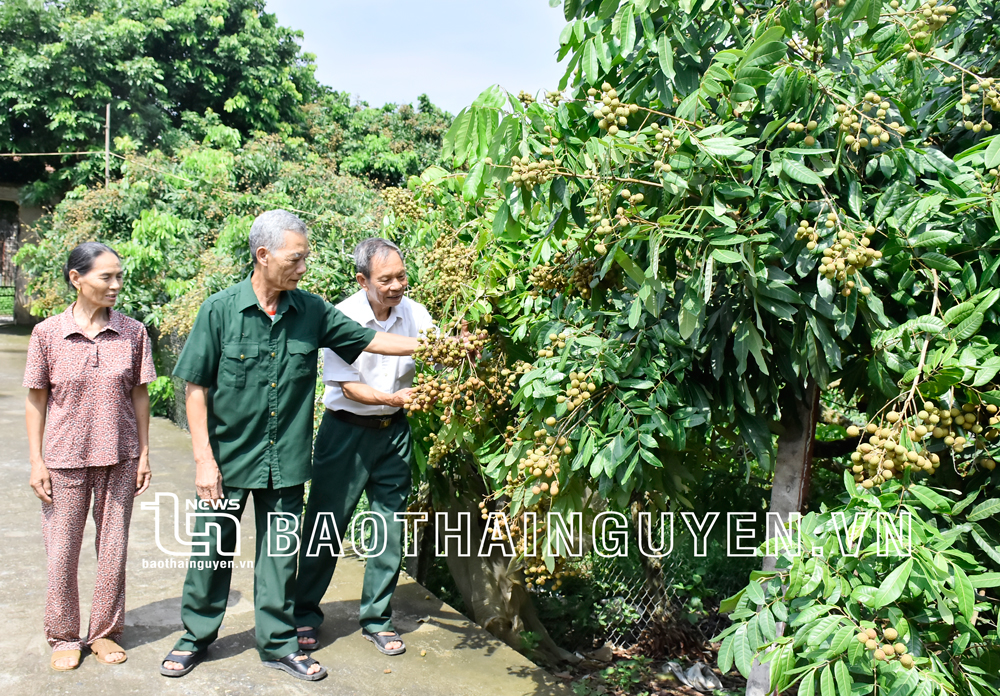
(199, 360)
(336, 371)
(344, 336)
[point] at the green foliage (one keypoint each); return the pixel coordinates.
(161, 397)
(386, 145)
(152, 60)
(660, 235)
(846, 581)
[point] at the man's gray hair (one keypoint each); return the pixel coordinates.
(372, 248)
(268, 230)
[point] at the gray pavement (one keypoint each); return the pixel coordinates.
(446, 654)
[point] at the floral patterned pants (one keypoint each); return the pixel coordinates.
(112, 489)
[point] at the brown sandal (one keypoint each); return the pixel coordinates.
(103, 647)
(62, 654)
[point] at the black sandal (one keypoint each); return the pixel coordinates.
(309, 633)
(187, 662)
(382, 641)
(297, 668)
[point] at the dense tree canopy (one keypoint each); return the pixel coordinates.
(62, 61)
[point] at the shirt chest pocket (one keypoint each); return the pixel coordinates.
(301, 359)
(238, 359)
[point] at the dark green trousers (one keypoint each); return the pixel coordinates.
(349, 460)
(206, 590)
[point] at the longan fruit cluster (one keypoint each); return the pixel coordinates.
(668, 143)
(540, 467)
(437, 451)
(884, 452)
(402, 203)
(581, 278)
(810, 126)
(611, 114)
(527, 174)
(991, 99)
(851, 123)
(545, 277)
(525, 98)
(556, 340)
(578, 390)
(448, 266)
(447, 351)
(631, 198)
(889, 650)
(930, 17)
(883, 455)
(846, 256)
(554, 98)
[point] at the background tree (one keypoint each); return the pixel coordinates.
(153, 61)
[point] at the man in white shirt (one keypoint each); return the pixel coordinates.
(363, 446)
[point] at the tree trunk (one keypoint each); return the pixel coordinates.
(792, 468)
(495, 596)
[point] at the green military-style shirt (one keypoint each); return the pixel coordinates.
(261, 376)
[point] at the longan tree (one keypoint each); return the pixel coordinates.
(726, 213)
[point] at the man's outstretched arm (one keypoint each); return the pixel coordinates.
(391, 344)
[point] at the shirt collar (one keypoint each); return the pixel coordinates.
(366, 314)
(70, 327)
(248, 298)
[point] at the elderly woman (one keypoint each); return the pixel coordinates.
(87, 374)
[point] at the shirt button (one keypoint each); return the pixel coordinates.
(273, 413)
(272, 355)
(272, 442)
(241, 356)
(274, 384)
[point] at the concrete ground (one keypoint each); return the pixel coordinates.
(446, 654)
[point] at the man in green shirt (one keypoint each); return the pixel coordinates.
(250, 367)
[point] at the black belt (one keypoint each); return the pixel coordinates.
(374, 422)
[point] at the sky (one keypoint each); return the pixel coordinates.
(385, 51)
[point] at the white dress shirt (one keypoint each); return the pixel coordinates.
(386, 373)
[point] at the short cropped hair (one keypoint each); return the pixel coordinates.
(268, 231)
(370, 249)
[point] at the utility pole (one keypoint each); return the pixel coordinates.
(107, 145)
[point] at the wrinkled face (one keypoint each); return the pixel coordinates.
(284, 268)
(387, 283)
(102, 283)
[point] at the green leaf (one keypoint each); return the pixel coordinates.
(743, 653)
(591, 70)
(807, 687)
(726, 256)
(939, 262)
(965, 595)
(766, 54)
(726, 654)
(666, 56)
(985, 580)
(844, 680)
(968, 327)
(474, 184)
(626, 31)
(755, 593)
(800, 172)
(892, 587)
(959, 312)
(992, 155)
(722, 147)
(985, 509)
(826, 685)
(635, 313)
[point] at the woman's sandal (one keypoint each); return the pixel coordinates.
(62, 655)
(297, 668)
(102, 647)
(187, 663)
(382, 641)
(308, 633)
